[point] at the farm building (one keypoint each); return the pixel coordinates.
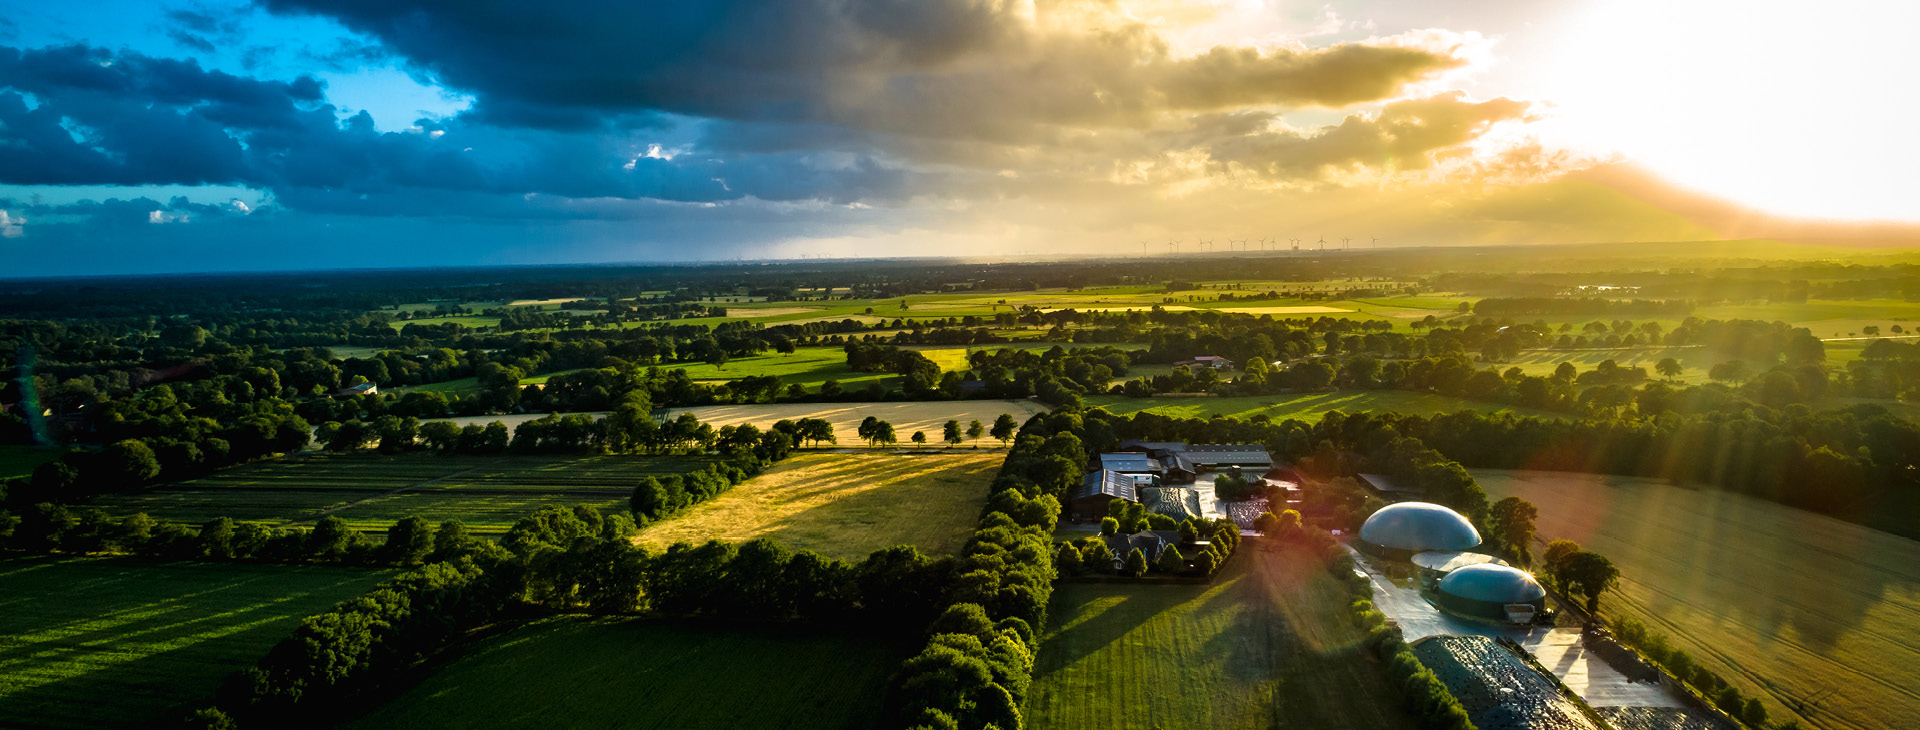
(1388, 489)
(361, 389)
(1215, 457)
(1492, 592)
(1155, 449)
(1131, 464)
(1400, 530)
(1499, 689)
(1215, 362)
(1089, 500)
(1180, 503)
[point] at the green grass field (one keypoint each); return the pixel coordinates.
(1267, 645)
(89, 643)
(19, 461)
(572, 672)
(372, 490)
(1306, 407)
(847, 505)
(1819, 617)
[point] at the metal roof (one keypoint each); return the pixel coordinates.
(1447, 561)
(1493, 584)
(1130, 463)
(1419, 527)
(1229, 454)
(1110, 483)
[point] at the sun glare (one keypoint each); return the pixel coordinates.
(1802, 109)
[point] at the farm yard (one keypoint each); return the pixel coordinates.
(846, 505)
(1268, 644)
(87, 643)
(906, 416)
(370, 491)
(571, 672)
(1820, 616)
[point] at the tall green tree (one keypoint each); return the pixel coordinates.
(1004, 428)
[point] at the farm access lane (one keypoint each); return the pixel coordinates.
(1558, 649)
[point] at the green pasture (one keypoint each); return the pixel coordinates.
(1305, 407)
(574, 672)
(808, 366)
(90, 643)
(371, 491)
(1268, 644)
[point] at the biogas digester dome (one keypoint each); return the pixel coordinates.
(1402, 529)
(1486, 589)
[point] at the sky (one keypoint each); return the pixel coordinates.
(211, 135)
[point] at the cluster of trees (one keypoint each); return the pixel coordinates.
(1092, 556)
(51, 528)
(978, 661)
(1579, 573)
(918, 375)
(657, 498)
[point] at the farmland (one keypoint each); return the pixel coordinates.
(119, 643)
(1268, 644)
(1819, 616)
(371, 491)
(1306, 407)
(570, 672)
(906, 416)
(846, 505)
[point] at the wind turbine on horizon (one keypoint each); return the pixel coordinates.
(1344, 242)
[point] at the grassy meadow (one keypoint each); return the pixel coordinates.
(846, 505)
(571, 672)
(371, 491)
(1818, 616)
(87, 643)
(1268, 644)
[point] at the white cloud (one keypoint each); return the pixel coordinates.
(12, 226)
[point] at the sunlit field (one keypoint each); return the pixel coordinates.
(1819, 616)
(846, 505)
(89, 643)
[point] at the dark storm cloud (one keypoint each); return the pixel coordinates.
(965, 68)
(129, 119)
